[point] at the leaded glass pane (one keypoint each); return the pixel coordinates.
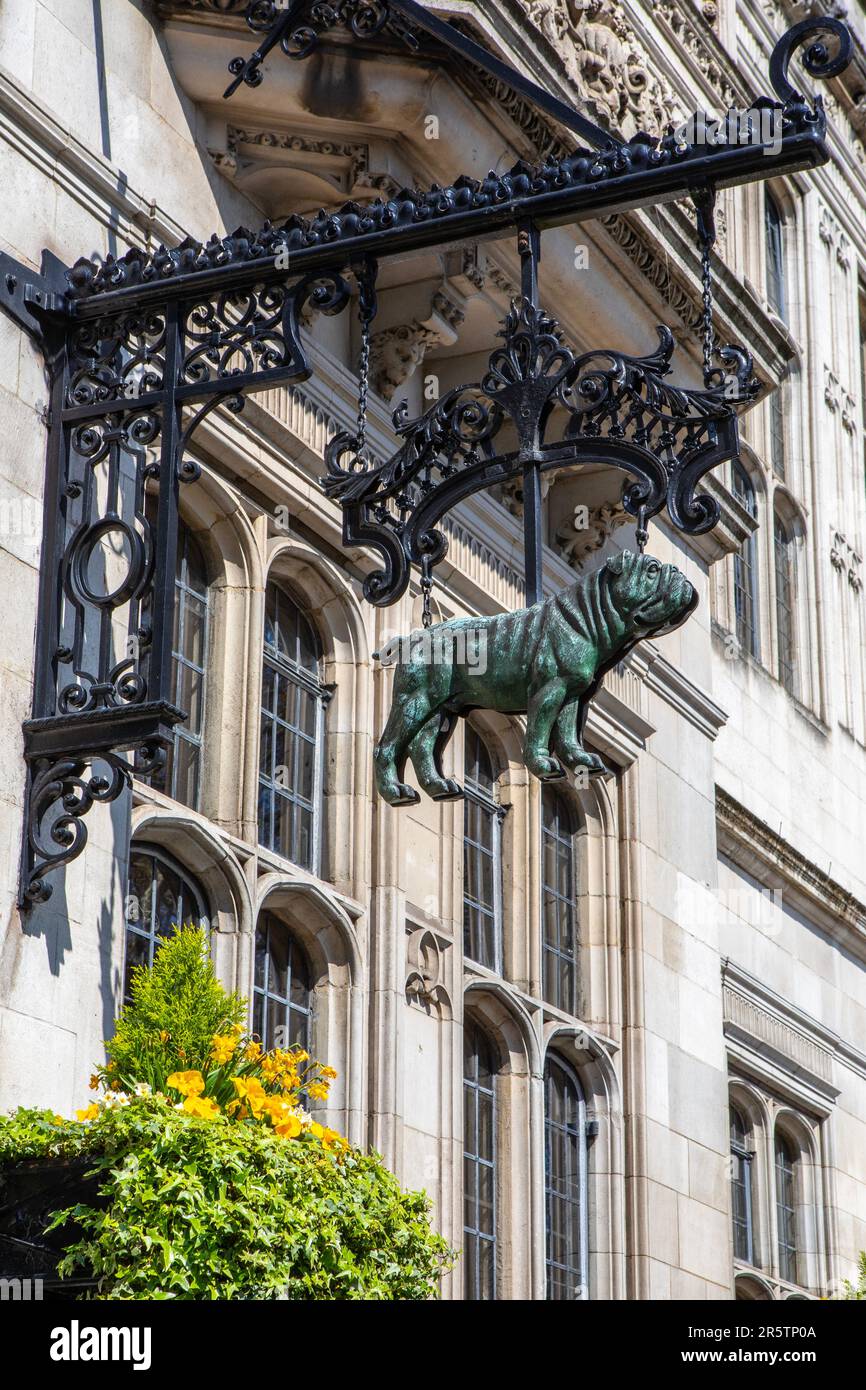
(479, 1165)
(565, 1182)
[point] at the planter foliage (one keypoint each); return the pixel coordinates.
(206, 1177)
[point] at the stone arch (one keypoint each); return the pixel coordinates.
(589, 1057)
(193, 843)
(506, 1024)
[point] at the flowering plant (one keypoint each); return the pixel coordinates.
(179, 1015)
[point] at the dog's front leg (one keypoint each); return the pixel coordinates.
(541, 714)
(567, 740)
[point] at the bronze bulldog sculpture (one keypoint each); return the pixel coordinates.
(546, 662)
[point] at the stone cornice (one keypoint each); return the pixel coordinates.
(781, 1041)
(751, 844)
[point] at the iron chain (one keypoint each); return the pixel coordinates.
(426, 590)
(709, 339)
(705, 202)
(367, 312)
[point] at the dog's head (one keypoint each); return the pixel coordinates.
(653, 597)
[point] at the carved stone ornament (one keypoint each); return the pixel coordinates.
(604, 62)
(396, 353)
(577, 543)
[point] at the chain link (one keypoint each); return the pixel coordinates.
(426, 590)
(367, 312)
(705, 207)
(709, 336)
(641, 530)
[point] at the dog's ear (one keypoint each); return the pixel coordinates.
(616, 563)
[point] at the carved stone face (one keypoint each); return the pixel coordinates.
(653, 597)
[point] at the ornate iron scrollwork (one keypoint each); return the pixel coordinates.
(130, 388)
(540, 404)
(60, 795)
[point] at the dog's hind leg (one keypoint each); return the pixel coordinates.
(426, 751)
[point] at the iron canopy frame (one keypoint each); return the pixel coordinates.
(139, 350)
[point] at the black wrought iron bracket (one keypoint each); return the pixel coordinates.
(141, 349)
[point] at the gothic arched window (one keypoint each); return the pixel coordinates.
(775, 254)
(745, 568)
(282, 987)
(160, 897)
(741, 1189)
(180, 777)
(479, 1165)
(482, 865)
(292, 734)
(783, 548)
(559, 923)
(786, 1207)
(565, 1182)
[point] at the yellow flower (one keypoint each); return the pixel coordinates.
(163, 1035)
(202, 1107)
(189, 1083)
(332, 1140)
(328, 1072)
(237, 1029)
(300, 1056)
(89, 1114)
(94, 1083)
(57, 1120)
(253, 1051)
(317, 1130)
(223, 1048)
(289, 1128)
(318, 1090)
(251, 1090)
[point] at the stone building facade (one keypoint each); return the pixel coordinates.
(618, 1033)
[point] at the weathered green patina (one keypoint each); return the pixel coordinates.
(546, 662)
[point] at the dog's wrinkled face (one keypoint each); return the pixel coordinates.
(654, 597)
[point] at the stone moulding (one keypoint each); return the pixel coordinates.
(772, 1035)
(751, 844)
